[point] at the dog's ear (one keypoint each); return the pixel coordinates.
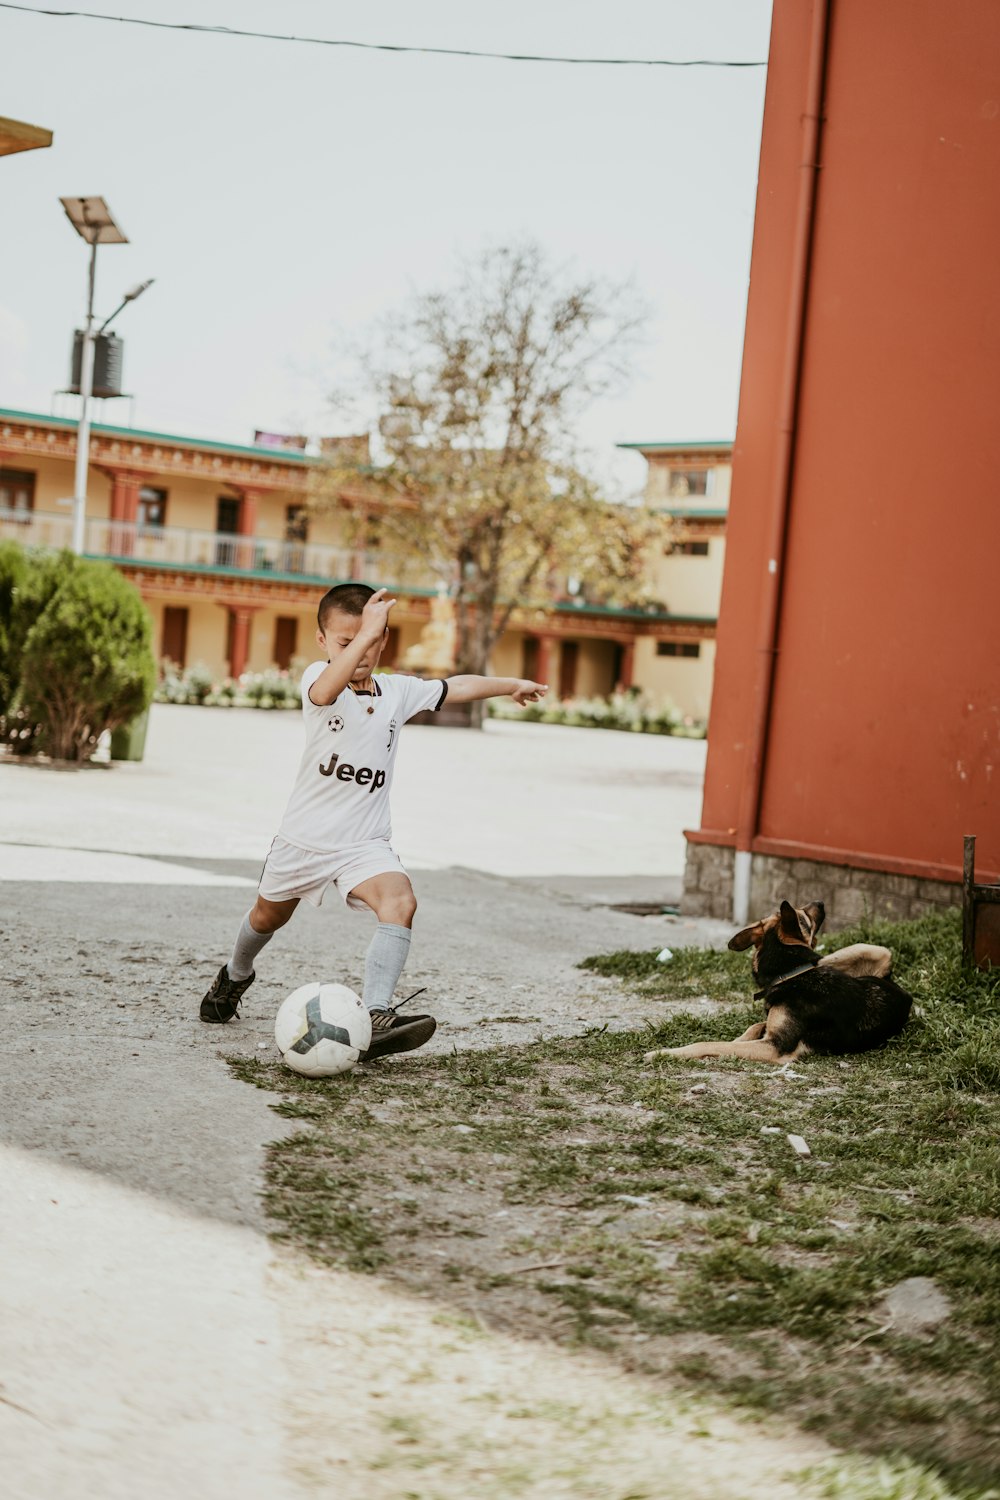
(789, 926)
(816, 912)
(741, 940)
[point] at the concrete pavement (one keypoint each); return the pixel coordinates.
(143, 1353)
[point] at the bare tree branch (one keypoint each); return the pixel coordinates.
(480, 390)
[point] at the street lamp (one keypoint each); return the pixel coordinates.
(93, 221)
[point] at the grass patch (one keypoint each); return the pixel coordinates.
(596, 1199)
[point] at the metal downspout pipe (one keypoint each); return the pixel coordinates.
(753, 771)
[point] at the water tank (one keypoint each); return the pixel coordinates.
(108, 351)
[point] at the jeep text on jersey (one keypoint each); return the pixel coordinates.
(362, 775)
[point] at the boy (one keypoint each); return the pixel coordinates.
(336, 828)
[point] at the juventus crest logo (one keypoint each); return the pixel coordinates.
(392, 733)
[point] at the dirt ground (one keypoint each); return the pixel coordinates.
(156, 1342)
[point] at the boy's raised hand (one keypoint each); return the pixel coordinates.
(528, 692)
(375, 615)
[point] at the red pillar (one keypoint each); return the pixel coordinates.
(358, 551)
(246, 554)
(125, 485)
(248, 513)
(544, 658)
(239, 639)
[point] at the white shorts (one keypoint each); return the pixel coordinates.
(290, 872)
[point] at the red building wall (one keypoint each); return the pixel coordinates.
(882, 744)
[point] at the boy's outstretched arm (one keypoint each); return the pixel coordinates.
(467, 689)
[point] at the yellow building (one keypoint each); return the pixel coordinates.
(689, 482)
(217, 539)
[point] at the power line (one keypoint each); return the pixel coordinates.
(323, 41)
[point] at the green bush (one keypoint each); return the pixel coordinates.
(13, 571)
(85, 655)
(270, 689)
(28, 580)
(629, 711)
(199, 683)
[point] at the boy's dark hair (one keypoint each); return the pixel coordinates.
(350, 598)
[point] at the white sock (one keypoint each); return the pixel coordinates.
(248, 944)
(384, 963)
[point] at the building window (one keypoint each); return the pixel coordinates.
(684, 482)
(286, 635)
(17, 491)
(678, 648)
(687, 549)
(152, 507)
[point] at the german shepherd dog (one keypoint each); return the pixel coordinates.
(838, 1002)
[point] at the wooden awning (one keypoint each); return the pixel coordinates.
(15, 135)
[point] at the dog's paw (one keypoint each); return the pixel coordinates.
(668, 1052)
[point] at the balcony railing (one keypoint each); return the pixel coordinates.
(267, 557)
(180, 547)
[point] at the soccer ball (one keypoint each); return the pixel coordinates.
(322, 1029)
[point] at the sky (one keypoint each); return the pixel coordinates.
(286, 197)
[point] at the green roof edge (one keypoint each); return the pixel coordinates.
(283, 455)
(709, 445)
(687, 513)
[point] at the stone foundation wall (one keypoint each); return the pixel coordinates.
(708, 882)
(848, 894)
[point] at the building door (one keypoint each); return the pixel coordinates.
(296, 536)
(286, 635)
(569, 656)
(173, 643)
(152, 511)
(529, 658)
(618, 663)
(227, 524)
(391, 653)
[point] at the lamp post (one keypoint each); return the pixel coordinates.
(93, 222)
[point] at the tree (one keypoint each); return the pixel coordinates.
(85, 652)
(480, 396)
(13, 572)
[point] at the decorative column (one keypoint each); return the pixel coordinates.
(247, 527)
(125, 486)
(248, 512)
(544, 658)
(240, 616)
(359, 550)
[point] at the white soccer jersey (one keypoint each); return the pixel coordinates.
(341, 792)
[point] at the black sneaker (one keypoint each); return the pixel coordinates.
(392, 1032)
(223, 999)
